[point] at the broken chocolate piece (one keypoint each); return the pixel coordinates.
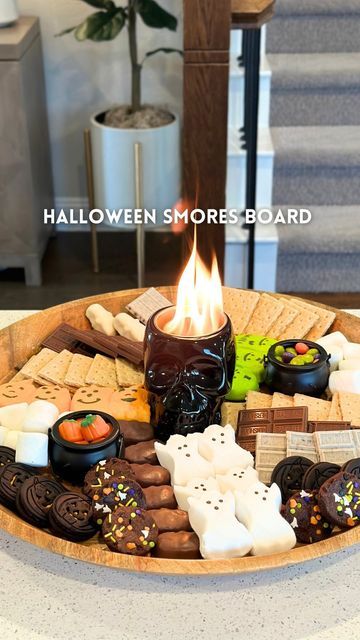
(159, 497)
(135, 431)
(170, 519)
(148, 475)
(141, 453)
(179, 545)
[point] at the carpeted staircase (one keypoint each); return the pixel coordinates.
(313, 48)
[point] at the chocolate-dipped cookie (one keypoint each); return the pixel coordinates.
(35, 497)
(130, 530)
(141, 453)
(317, 474)
(288, 475)
(352, 466)
(339, 499)
(12, 476)
(70, 517)
(303, 513)
(148, 475)
(116, 492)
(179, 545)
(7, 455)
(103, 471)
(134, 431)
(170, 519)
(159, 497)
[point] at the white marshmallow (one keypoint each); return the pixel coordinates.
(11, 438)
(336, 355)
(3, 433)
(336, 338)
(345, 381)
(352, 363)
(351, 350)
(129, 327)
(32, 449)
(13, 415)
(40, 416)
(100, 319)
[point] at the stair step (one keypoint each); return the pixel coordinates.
(236, 169)
(315, 89)
(311, 26)
(236, 93)
(328, 250)
(316, 165)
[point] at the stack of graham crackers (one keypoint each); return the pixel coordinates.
(74, 370)
(279, 318)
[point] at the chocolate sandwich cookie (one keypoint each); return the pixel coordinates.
(288, 474)
(130, 530)
(7, 455)
(70, 517)
(148, 475)
(135, 432)
(35, 497)
(141, 453)
(12, 476)
(114, 493)
(103, 471)
(179, 545)
(352, 466)
(317, 474)
(160, 497)
(170, 519)
(303, 513)
(339, 499)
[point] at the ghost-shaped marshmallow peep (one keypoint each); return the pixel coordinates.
(217, 444)
(237, 479)
(180, 456)
(195, 488)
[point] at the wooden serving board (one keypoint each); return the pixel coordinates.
(22, 339)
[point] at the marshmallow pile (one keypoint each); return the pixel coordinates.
(230, 510)
(24, 428)
(344, 362)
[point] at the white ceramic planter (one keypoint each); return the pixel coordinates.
(8, 12)
(114, 166)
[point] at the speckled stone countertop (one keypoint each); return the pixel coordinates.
(49, 597)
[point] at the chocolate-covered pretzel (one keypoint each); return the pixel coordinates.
(170, 519)
(180, 545)
(148, 475)
(135, 431)
(159, 497)
(141, 453)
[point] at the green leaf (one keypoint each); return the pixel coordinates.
(162, 50)
(155, 16)
(101, 4)
(101, 26)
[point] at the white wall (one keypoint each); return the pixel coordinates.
(82, 78)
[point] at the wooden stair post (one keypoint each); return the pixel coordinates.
(207, 26)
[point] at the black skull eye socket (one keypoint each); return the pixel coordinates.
(205, 374)
(163, 375)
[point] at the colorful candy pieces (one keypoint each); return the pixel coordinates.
(15, 392)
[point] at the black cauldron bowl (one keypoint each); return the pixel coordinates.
(71, 461)
(308, 379)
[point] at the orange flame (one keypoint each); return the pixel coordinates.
(199, 304)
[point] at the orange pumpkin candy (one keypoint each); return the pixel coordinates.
(94, 428)
(70, 430)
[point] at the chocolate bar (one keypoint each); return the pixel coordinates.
(277, 420)
(89, 343)
(323, 425)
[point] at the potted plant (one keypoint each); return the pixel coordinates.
(115, 131)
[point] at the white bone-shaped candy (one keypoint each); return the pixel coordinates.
(195, 488)
(258, 508)
(220, 534)
(129, 327)
(180, 456)
(32, 449)
(100, 319)
(217, 444)
(237, 479)
(40, 415)
(13, 415)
